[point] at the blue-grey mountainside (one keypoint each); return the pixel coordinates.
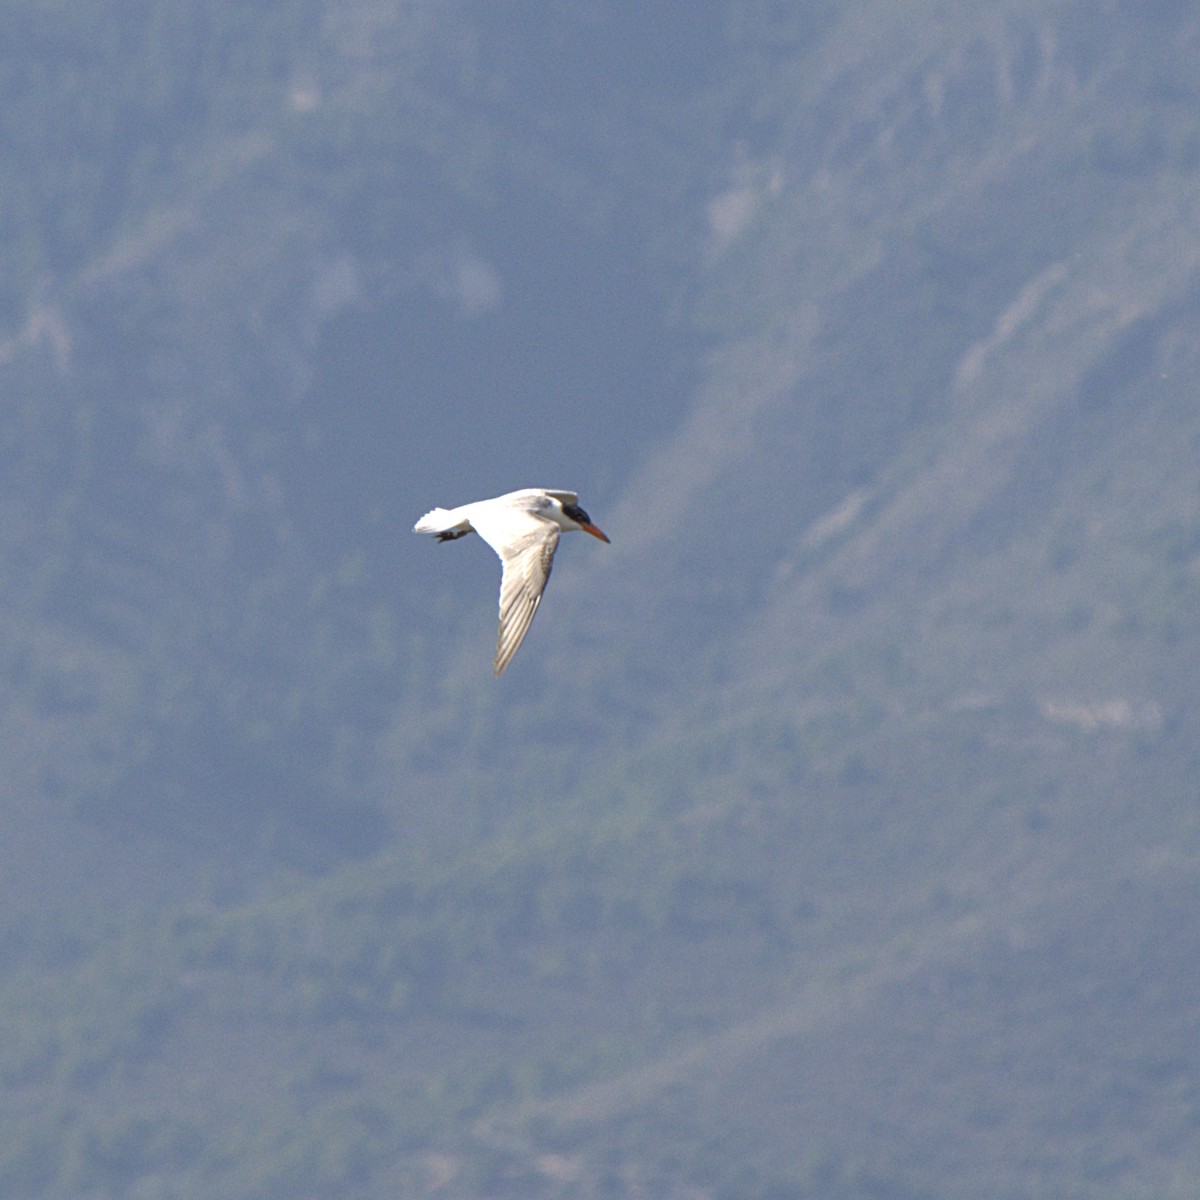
(835, 833)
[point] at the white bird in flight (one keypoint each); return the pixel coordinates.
(523, 528)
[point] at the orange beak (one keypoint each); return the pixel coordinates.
(597, 533)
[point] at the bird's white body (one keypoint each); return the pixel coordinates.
(523, 528)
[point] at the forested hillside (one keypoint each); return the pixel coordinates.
(834, 833)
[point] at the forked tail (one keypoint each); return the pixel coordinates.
(443, 523)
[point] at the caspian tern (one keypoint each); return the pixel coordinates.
(523, 528)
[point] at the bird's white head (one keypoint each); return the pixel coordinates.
(573, 517)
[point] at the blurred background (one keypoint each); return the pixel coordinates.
(834, 835)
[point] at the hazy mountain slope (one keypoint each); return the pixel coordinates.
(292, 331)
(947, 498)
(834, 834)
(976, 323)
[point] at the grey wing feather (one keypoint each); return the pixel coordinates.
(527, 565)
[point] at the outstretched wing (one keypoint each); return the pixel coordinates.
(526, 544)
(526, 570)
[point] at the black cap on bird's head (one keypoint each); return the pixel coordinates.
(583, 521)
